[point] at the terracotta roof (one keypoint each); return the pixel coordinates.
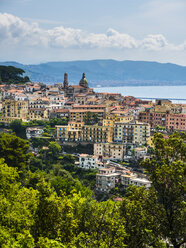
(80, 95)
(119, 112)
(60, 110)
(88, 155)
(118, 199)
(146, 106)
(84, 155)
(69, 103)
(21, 94)
(92, 99)
(88, 106)
(76, 86)
(41, 99)
(86, 110)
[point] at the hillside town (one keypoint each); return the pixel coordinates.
(120, 128)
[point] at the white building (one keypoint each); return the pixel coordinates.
(87, 161)
(31, 87)
(32, 132)
(108, 178)
(58, 104)
(21, 97)
(140, 152)
(55, 97)
(140, 182)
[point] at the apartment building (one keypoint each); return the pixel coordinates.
(87, 161)
(32, 132)
(39, 109)
(108, 123)
(126, 179)
(110, 150)
(97, 133)
(70, 132)
(40, 103)
(130, 178)
(38, 114)
(176, 121)
(168, 120)
(78, 115)
(106, 179)
(12, 109)
(58, 113)
(153, 118)
(31, 87)
(89, 107)
(132, 133)
(118, 118)
(141, 133)
(141, 182)
(140, 152)
(80, 99)
(77, 131)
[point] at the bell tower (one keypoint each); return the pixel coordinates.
(65, 82)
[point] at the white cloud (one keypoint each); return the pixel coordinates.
(14, 31)
(155, 42)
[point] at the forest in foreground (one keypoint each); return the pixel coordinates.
(45, 203)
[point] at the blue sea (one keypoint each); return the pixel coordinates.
(164, 92)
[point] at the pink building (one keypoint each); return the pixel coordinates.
(176, 121)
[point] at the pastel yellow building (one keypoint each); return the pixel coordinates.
(108, 123)
(77, 131)
(38, 114)
(78, 115)
(39, 109)
(12, 110)
(70, 132)
(120, 118)
(97, 133)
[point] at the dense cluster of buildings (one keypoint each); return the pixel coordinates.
(110, 121)
(165, 114)
(36, 101)
(111, 174)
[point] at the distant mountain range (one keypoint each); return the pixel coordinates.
(105, 73)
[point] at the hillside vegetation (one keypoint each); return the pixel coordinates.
(47, 202)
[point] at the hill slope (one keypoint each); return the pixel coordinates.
(107, 72)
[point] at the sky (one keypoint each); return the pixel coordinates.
(36, 31)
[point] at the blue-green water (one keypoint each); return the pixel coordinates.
(174, 92)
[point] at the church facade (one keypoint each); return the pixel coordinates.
(72, 90)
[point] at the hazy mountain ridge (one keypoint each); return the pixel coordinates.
(107, 72)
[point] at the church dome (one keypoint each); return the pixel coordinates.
(83, 82)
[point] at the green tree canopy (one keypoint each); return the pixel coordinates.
(54, 149)
(91, 118)
(17, 207)
(167, 170)
(14, 150)
(11, 74)
(141, 212)
(18, 127)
